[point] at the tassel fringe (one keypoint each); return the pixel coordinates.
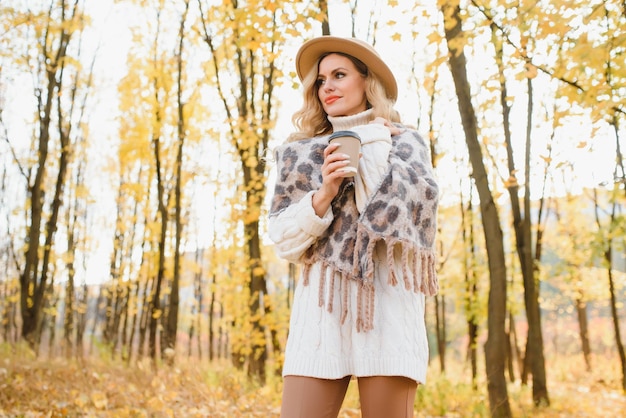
(416, 262)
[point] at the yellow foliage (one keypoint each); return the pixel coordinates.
(511, 182)
(546, 159)
(531, 71)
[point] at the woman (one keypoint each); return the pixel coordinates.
(365, 242)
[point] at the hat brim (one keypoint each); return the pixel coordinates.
(312, 50)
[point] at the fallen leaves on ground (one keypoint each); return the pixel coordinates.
(69, 388)
(54, 388)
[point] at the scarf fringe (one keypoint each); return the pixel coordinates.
(415, 261)
(420, 263)
(365, 307)
(345, 289)
(305, 273)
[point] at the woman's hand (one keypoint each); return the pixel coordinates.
(332, 177)
(393, 130)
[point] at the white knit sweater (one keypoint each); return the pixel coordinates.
(319, 345)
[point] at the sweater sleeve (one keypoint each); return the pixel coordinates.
(295, 228)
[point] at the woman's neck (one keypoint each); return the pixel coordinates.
(341, 123)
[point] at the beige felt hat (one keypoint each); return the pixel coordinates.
(313, 49)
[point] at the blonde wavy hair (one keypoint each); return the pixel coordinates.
(311, 120)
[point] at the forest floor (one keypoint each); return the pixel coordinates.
(31, 387)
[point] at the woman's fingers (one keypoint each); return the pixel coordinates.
(393, 130)
(333, 161)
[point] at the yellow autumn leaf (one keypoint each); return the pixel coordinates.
(531, 71)
(511, 182)
(99, 400)
(80, 400)
(156, 404)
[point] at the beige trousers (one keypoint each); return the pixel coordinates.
(380, 396)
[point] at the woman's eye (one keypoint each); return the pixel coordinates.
(320, 81)
(340, 75)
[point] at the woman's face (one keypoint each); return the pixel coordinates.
(341, 88)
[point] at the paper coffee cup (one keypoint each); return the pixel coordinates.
(350, 144)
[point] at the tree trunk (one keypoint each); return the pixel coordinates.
(495, 346)
(195, 325)
(155, 297)
(81, 320)
(125, 353)
(9, 310)
(440, 323)
(515, 356)
(144, 319)
(138, 307)
(619, 166)
(274, 341)
(608, 259)
(51, 224)
(258, 354)
(325, 17)
(107, 291)
(5, 255)
(222, 336)
(522, 225)
(96, 317)
(583, 330)
(28, 279)
(68, 317)
(34, 277)
(52, 301)
(172, 317)
(121, 298)
(211, 312)
(121, 321)
(115, 267)
(471, 279)
(616, 325)
(73, 237)
(133, 324)
(199, 296)
(530, 272)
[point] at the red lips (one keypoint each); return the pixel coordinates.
(331, 99)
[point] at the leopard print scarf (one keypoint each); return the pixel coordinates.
(401, 212)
